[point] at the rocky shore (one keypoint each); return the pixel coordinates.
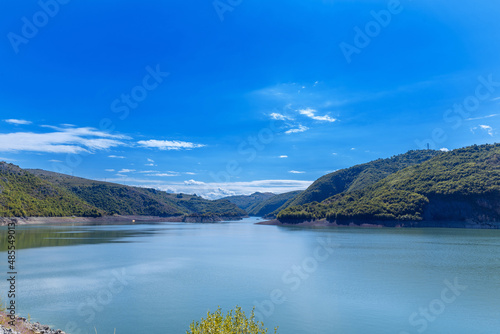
(397, 224)
(23, 326)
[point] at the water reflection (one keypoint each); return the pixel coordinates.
(71, 235)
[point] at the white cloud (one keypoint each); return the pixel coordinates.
(124, 179)
(311, 114)
(189, 182)
(109, 170)
(63, 140)
(164, 174)
(116, 156)
(214, 190)
(17, 121)
(482, 117)
(169, 144)
(6, 159)
(148, 171)
(495, 99)
(126, 170)
(150, 160)
(279, 117)
(334, 153)
(190, 173)
(301, 128)
(486, 128)
(218, 193)
(353, 148)
(444, 149)
(54, 160)
(283, 156)
(296, 172)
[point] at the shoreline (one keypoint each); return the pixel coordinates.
(107, 220)
(23, 326)
(389, 224)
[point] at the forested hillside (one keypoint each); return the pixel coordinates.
(360, 176)
(22, 194)
(126, 200)
(266, 207)
(248, 202)
(462, 184)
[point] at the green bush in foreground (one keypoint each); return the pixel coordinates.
(235, 322)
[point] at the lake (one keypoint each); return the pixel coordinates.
(158, 278)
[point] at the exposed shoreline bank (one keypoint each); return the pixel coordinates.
(113, 220)
(393, 224)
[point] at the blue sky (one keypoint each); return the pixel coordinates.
(229, 96)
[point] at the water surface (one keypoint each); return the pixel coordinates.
(157, 278)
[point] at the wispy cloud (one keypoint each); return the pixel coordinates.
(126, 170)
(279, 117)
(116, 156)
(483, 127)
(487, 128)
(164, 174)
(169, 144)
(482, 117)
(62, 140)
(109, 170)
(296, 172)
(283, 156)
(311, 113)
(17, 121)
(301, 128)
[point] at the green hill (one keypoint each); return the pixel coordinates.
(360, 176)
(248, 202)
(22, 194)
(266, 207)
(460, 185)
(120, 199)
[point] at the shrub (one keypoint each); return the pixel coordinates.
(235, 322)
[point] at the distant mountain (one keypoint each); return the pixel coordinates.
(459, 185)
(267, 207)
(22, 194)
(248, 202)
(120, 199)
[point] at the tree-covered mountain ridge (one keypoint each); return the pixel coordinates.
(459, 185)
(40, 193)
(353, 178)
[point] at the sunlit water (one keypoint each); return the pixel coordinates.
(157, 278)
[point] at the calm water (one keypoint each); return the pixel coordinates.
(157, 278)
